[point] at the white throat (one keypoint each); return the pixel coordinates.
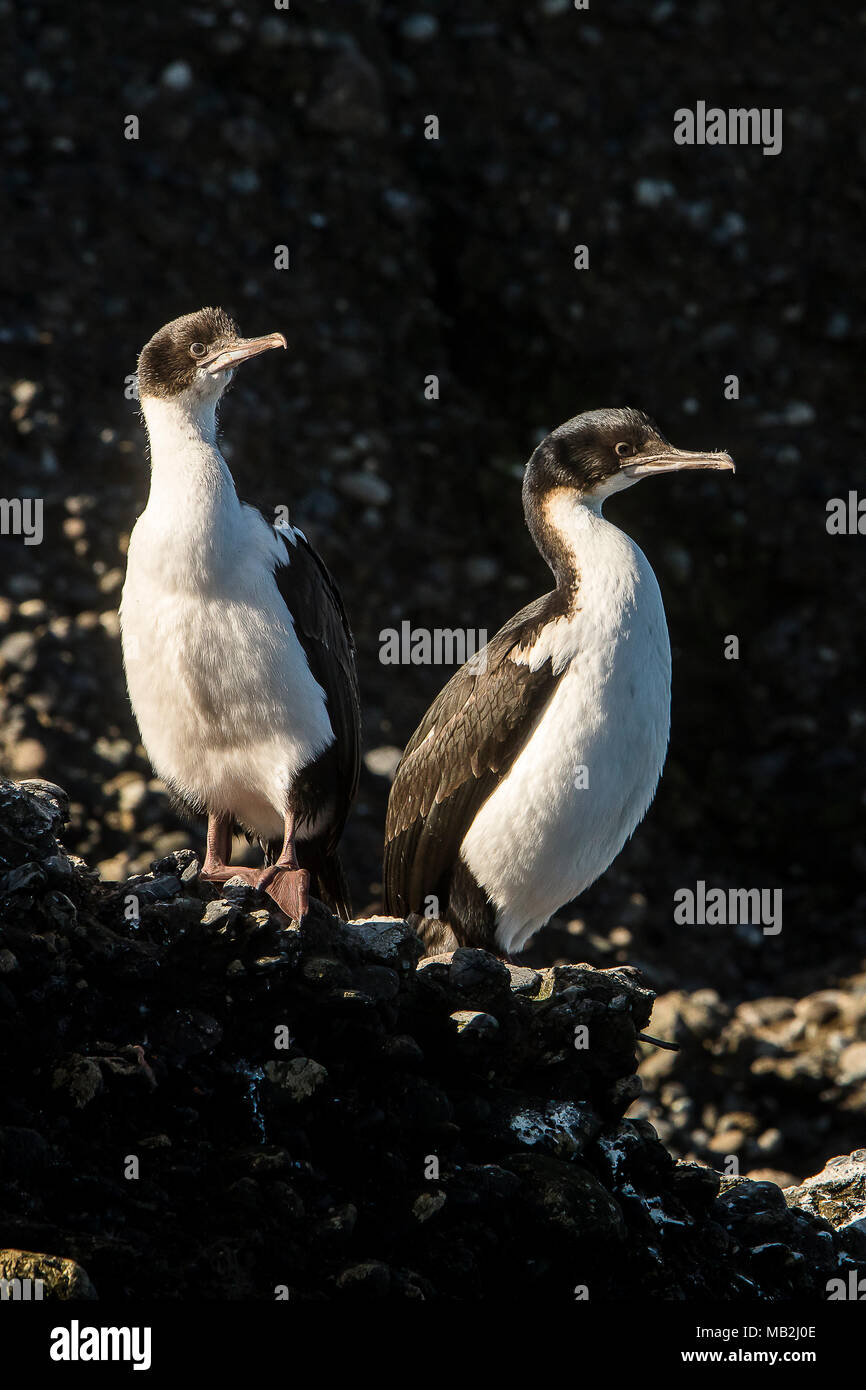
(181, 431)
(617, 482)
(192, 511)
(598, 550)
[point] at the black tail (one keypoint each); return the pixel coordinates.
(327, 880)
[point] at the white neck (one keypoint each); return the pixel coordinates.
(192, 507)
(597, 556)
(578, 521)
(187, 468)
(183, 443)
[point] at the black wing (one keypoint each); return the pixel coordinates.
(463, 747)
(314, 602)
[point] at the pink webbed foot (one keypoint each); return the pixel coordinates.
(289, 889)
(221, 873)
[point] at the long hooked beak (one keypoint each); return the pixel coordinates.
(230, 354)
(672, 460)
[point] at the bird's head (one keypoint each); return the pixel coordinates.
(193, 358)
(603, 451)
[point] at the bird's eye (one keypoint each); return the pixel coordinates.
(197, 349)
(624, 450)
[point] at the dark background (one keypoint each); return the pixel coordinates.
(305, 128)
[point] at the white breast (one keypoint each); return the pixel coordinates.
(542, 837)
(228, 709)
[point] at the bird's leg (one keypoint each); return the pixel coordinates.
(285, 881)
(216, 868)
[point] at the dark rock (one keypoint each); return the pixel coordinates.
(471, 1024)
(23, 1151)
(299, 1097)
(188, 1032)
(566, 1200)
(480, 976)
(351, 101)
(371, 1279)
(24, 879)
(754, 1211)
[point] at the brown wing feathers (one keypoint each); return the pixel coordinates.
(460, 751)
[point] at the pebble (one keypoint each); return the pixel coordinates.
(27, 757)
(33, 609)
(478, 973)
(420, 28)
(132, 794)
(820, 1008)
(300, 1077)
(23, 391)
(178, 77)
(219, 914)
(481, 569)
(273, 32)
(19, 650)
(366, 488)
(370, 1279)
(799, 413)
(651, 193)
(350, 101)
(382, 761)
(523, 980)
(838, 326)
(852, 1064)
(244, 181)
(473, 1023)
(428, 1204)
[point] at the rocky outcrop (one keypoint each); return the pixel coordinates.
(30, 1277)
(838, 1195)
(205, 1100)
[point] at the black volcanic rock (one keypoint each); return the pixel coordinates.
(202, 1099)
